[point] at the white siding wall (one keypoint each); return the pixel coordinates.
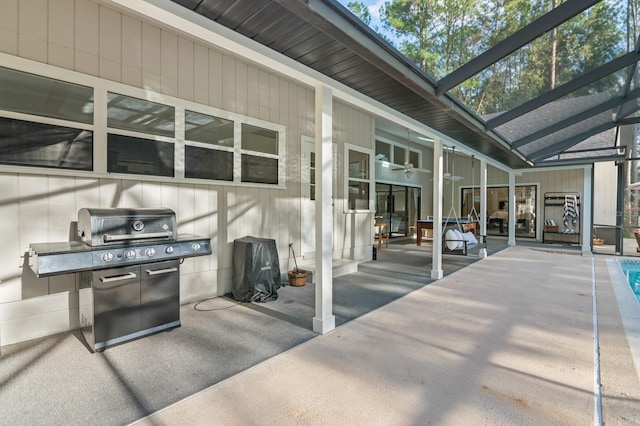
(568, 180)
(86, 37)
(604, 199)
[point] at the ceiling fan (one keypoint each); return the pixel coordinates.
(408, 167)
(451, 177)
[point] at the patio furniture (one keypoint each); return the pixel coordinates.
(465, 223)
(381, 233)
(456, 241)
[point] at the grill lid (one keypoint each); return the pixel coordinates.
(99, 227)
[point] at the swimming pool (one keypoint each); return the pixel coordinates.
(631, 270)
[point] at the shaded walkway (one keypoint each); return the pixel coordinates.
(56, 380)
(508, 340)
(504, 340)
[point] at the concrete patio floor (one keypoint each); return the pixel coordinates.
(507, 340)
(504, 340)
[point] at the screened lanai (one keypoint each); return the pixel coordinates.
(572, 115)
(532, 84)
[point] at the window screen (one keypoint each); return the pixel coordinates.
(259, 169)
(139, 156)
(205, 163)
(23, 143)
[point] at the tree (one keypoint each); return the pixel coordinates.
(438, 35)
(441, 35)
(360, 11)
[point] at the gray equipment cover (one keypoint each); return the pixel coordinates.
(256, 270)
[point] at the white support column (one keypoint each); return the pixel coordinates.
(483, 205)
(585, 200)
(324, 321)
(512, 209)
(438, 184)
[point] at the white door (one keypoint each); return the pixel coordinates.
(308, 194)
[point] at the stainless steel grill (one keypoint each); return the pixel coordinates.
(98, 227)
(130, 261)
(117, 237)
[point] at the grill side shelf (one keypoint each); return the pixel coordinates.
(46, 259)
(44, 265)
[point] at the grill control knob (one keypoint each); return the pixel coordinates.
(195, 246)
(107, 257)
(168, 250)
(130, 254)
(150, 252)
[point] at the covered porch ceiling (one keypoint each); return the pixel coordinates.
(550, 129)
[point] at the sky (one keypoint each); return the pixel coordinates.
(374, 10)
(372, 5)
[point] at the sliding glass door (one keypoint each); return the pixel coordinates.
(398, 206)
(498, 209)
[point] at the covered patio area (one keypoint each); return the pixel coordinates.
(506, 340)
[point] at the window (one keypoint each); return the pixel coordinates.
(259, 140)
(138, 115)
(135, 154)
(312, 176)
(383, 151)
(24, 143)
(203, 163)
(259, 155)
(208, 129)
(48, 122)
(57, 132)
(399, 155)
(139, 156)
(45, 97)
(209, 143)
(359, 179)
(259, 170)
(414, 158)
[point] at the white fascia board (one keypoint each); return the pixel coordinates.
(554, 168)
(177, 18)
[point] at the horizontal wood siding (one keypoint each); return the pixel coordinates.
(604, 199)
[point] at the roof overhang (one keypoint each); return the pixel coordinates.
(324, 37)
(325, 44)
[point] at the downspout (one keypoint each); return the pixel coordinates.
(620, 207)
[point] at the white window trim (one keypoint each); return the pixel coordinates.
(100, 130)
(305, 178)
(371, 181)
(392, 144)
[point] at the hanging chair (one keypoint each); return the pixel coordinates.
(454, 239)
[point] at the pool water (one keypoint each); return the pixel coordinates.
(631, 270)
